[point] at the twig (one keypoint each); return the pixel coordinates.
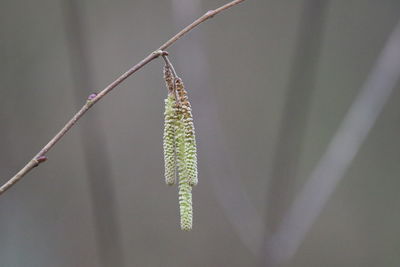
(36, 160)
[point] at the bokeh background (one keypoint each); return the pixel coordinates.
(270, 83)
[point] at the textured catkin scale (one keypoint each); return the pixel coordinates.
(191, 152)
(185, 190)
(169, 80)
(185, 205)
(189, 134)
(169, 141)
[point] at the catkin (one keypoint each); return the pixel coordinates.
(169, 141)
(189, 134)
(185, 190)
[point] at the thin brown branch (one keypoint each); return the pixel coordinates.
(35, 161)
(206, 16)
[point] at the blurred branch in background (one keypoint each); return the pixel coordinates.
(293, 123)
(343, 147)
(228, 188)
(108, 237)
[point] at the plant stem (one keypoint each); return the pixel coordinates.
(36, 160)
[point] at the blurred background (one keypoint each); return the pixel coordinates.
(297, 114)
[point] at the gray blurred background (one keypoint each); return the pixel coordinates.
(270, 83)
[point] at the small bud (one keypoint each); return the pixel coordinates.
(41, 159)
(91, 96)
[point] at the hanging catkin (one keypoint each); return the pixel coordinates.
(190, 138)
(185, 190)
(169, 130)
(169, 141)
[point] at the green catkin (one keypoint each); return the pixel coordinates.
(185, 205)
(189, 134)
(169, 141)
(185, 190)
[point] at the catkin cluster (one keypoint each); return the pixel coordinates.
(180, 153)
